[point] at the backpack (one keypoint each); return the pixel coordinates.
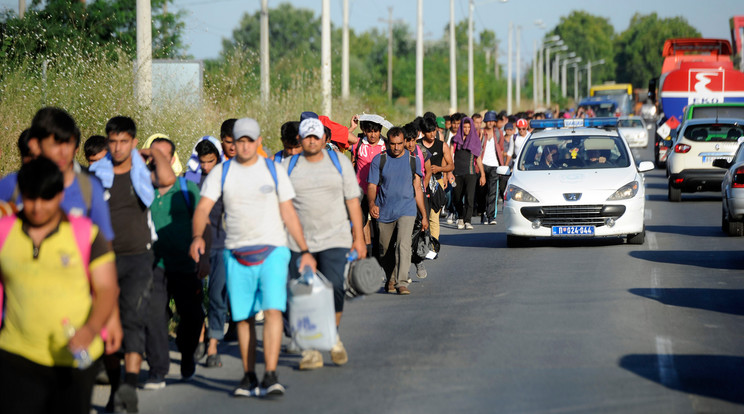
(81, 228)
(411, 159)
(86, 190)
(186, 195)
(331, 154)
(269, 164)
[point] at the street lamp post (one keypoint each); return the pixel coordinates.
(557, 46)
(576, 81)
(589, 65)
(565, 63)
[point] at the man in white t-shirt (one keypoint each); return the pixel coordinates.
(517, 142)
(257, 196)
(327, 198)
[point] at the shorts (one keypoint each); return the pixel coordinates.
(255, 288)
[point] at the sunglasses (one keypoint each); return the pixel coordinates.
(522, 129)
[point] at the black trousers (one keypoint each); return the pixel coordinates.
(465, 195)
(29, 388)
(186, 290)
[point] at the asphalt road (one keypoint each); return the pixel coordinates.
(557, 327)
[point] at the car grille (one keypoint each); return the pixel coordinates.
(574, 215)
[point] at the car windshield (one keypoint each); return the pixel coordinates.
(629, 123)
(573, 152)
(713, 133)
(718, 112)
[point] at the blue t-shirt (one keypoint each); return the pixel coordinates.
(395, 195)
(73, 202)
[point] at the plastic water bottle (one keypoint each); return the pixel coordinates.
(81, 355)
(352, 256)
(307, 275)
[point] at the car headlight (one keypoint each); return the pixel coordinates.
(517, 194)
(625, 192)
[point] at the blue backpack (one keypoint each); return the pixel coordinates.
(331, 154)
(269, 164)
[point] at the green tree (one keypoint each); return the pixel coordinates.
(53, 26)
(640, 45)
(592, 38)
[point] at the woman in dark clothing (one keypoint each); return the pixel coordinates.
(466, 149)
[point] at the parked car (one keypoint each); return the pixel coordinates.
(715, 110)
(732, 193)
(633, 129)
(698, 144)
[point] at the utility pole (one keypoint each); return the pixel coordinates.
(265, 81)
(509, 70)
(144, 53)
(576, 82)
(496, 60)
(389, 21)
(471, 81)
(345, 53)
(534, 74)
(325, 53)
(518, 67)
(420, 60)
(453, 61)
(21, 8)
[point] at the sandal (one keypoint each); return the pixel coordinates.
(213, 361)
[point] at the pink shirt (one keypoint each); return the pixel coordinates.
(364, 155)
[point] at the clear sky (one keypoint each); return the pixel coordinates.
(209, 21)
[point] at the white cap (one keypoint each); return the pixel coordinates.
(246, 127)
(311, 126)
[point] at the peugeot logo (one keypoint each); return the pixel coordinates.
(718, 146)
(572, 196)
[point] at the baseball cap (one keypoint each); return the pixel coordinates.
(311, 126)
(508, 125)
(522, 123)
(307, 115)
(440, 122)
(246, 127)
(490, 116)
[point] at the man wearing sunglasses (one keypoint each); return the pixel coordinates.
(517, 142)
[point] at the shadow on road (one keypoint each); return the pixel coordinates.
(686, 197)
(660, 186)
(700, 231)
(729, 301)
(471, 239)
(720, 259)
(712, 376)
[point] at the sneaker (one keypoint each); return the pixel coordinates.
(403, 291)
(260, 316)
(213, 361)
(154, 383)
(421, 270)
(493, 222)
(468, 226)
(484, 219)
(460, 224)
(450, 218)
(248, 386)
(125, 399)
(311, 359)
(390, 288)
(188, 367)
(200, 351)
(271, 385)
(338, 353)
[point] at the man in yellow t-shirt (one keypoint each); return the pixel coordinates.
(59, 290)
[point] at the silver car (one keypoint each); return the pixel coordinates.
(634, 131)
(732, 193)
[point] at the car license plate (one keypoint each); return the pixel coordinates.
(573, 230)
(709, 159)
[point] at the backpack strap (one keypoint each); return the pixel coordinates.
(225, 167)
(383, 160)
(86, 190)
(292, 163)
(272, 169)
(336, 163)
(185, 191)
(82, 228)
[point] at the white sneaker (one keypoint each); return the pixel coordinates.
(460, 224)
(311, 359)
(493, 222)
(468, 226)
(421, 271)
(450, 218)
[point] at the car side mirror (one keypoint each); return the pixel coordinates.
(722, 163)
(503, 170)
(646, 166)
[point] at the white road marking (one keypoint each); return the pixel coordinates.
(652, 243)
(655, 283)
(648, 215)
(665, 361)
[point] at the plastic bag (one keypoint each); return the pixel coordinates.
(312, 315)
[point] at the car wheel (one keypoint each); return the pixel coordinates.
(675, 194)
(734, 228)
(515, 241)
(638, 238)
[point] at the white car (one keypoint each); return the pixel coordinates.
(575, 181)
(698, 144)
(633, 130)
(732, 192)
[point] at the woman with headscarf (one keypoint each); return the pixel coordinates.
(468, 173)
